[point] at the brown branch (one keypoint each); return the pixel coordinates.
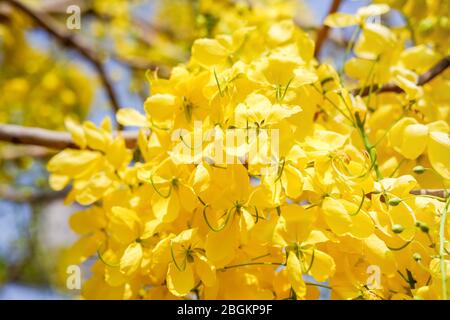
(441, 193)
(14, 152)
(13, 195)
(424, 78)
(322, 34)
(60, 6)
(137, 63)
(72, 41)
(47, 138)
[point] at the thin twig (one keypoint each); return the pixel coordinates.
(14, 152)
(440, 193)
(60, 6)
(31, 197)
(424, 78)
(70, 40)
(137, 63)
(48, 138)
(322, 34)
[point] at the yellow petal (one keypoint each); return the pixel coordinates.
(407, 80)
(131, 117)
(124, 224)
(221, 246)
(340, 20)
(292, 180)
(73, 163)
(76, 131)
(397, 130)
(87, 221)
(246, 223)
(186, 236)
(379, 254)
(180, 283)
(205, 270)
(114, 277)
(58, 182)
(187, 196)
(208, 52)
(374, 40)
(358, 68)
(336, 216)
(372, 10)
(85, 247)
(166, 209)
(419, 58)
(117, 154)
(150, 228)
(281, 32)
(201, 178)
(294, 271)
(293, 225)
(414, 142)
(160, 259)
(161, 108)
(96, 138)
(362, 225)
(316, 236)
(403, 215)
(439, 153)
(440, 125)
(323, 266)
(303, 76)
(131, 259)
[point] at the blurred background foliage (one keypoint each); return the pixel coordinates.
(45, 78)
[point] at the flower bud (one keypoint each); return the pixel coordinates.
(419, 169)
(417, 257)
(424, 228)
(397, 228)
(394, 201)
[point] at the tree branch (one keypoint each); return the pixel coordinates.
(137, 63)
(47, 138)
(323, 31)
(70, 40)
(441, 193)
(13, 195)
(60, 6)
(14, 152)
(424, 78)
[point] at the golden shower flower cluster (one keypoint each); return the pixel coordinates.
(326, 207)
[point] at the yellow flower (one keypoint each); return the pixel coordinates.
(340, 19)
(411, 139)
(171, 192)
(188, 261)
(293, 232)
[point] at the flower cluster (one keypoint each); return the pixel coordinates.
(332, 203)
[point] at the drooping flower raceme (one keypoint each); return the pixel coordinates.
(194, 211)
